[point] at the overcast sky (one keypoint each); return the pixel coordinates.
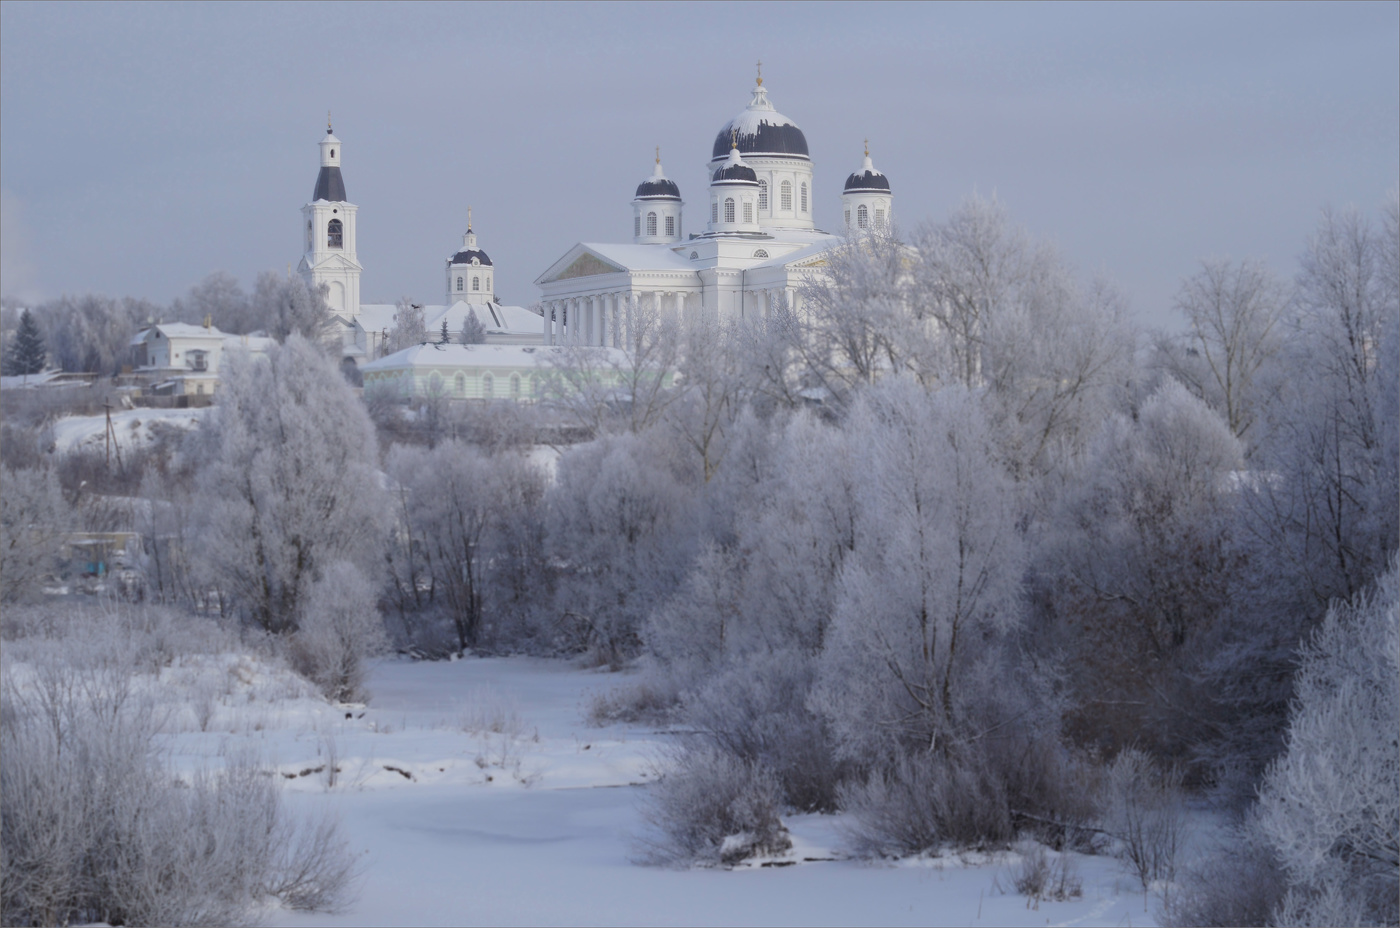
(143, 146)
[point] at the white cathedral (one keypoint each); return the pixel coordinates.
(758, 244)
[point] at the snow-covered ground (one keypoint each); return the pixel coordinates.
(130, 426)
(477, 794)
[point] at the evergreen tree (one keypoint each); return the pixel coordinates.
(473, 332)
(444, 338)
(27, 353)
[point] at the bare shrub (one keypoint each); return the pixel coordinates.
(1040, 876)
(713, 808)
(339, 630)
(488, 712)
(647, 700)
(1143, 808)
(1239, 883)
(94, 828)
(922, 803)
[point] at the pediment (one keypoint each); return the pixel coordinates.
(586, 264)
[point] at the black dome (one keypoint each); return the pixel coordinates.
(868, 180)
(330, 186)
(762, 138)
(465, 257)
(658, 188)
(740, 172)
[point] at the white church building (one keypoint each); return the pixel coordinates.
(757, 243)
(330, 259)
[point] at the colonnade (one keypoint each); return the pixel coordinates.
(608, 320)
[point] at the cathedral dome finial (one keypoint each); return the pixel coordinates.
(760, 72)
(328, 123)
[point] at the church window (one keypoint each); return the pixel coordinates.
(862, 216)
(309, 238)
(476, 281)
(651, 223)
(637, 226)
(335, 234)
(332, 152)
(879, 219)
(760, 253)
(488, 283)
(763, 194)
(848, 217)
(488, 386)
(748, 211)
(714, 211)
(786, 198)
(459, 284)
(804, 198)
(728, 209)
(515, 386)
(670, 225)
(459, 384)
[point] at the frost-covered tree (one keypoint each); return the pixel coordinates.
(409, 328)
(221, 300)
(1140, 562)
(288, 482)
(93, 333)
(32, 523)
(1234, 311)
(286, 306)
(934, 579)
(26, 353)
(473, 332)
(1330, 807)
(340, 628)
(621, 525)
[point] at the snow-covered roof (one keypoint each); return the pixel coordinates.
(433, 355)
(641, 257)
(177, 330)
(376, 317)
(760, 130)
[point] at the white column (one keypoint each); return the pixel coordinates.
(595, 315)
(614, 311)
(680, 306)
(544, 321)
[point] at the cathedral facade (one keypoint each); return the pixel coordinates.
(757, 244)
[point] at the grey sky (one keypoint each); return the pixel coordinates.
(143, 146)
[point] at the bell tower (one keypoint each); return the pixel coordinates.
(329, 235)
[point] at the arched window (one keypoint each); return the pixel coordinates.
(309, 239)
(848, 217)
(785, 200)
(804, 198)
(763, 195)
(332, 152)
(714, 211)
(879, 219)
(670, 226)
(335, 234)
(728, 209)
(459, 384)
(748, 210)
(476, 281)
(488, 283)
(488, 386)
(459, 284)
(515, 386)
(637, 226)
(651, 223)
(862, 216)
(760, 253)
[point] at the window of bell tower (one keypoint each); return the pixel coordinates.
(459, 283)
(335, 234)
(651, 223)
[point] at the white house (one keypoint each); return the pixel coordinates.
(756, 245)
(184, 359)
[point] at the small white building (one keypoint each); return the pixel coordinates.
(184, 359)
(468, 372)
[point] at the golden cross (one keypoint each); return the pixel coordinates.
(760, 73)
(867, 148)
(469, 218)
(733, 138)
(658, 154)
(328, 120)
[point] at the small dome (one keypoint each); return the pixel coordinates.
(465, 257)
(658, 186)
(867, 178)
(761, 130)
(735, 170)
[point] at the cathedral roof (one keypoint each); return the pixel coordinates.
(761, 130)
(466, 254)
(658, 185)
(867, 178)
(735, 170)
(330, 185)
